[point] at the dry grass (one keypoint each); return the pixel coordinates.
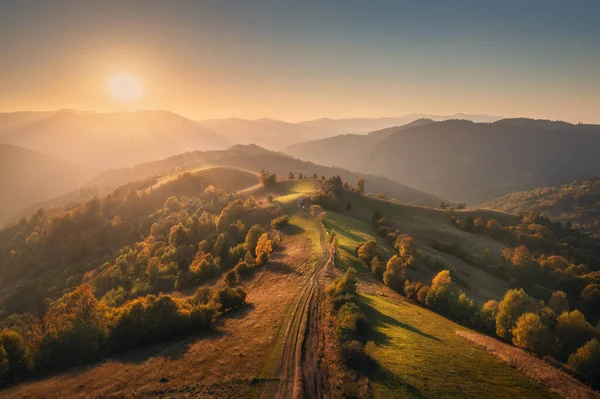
(556, 380)
(228, 362)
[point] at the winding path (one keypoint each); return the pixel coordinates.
(298, 341)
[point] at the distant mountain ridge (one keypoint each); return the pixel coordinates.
(27, 176)
(107, 140)
(467, 161)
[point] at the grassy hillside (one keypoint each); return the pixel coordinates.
(461, 160)
(577, 202)
(426, 226)
(419, 355)
(28, 176)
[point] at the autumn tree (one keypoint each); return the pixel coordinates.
(586, 361)
(252, 237)
(268, 179)
(360, 185)
(367, 250)
(513, 305)
(531, 334)
(559, 302)
(393, 276)
(264, 247)
(573, 331)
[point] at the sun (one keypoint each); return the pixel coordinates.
(124, 87)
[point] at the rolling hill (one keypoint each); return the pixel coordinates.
(465, 161)
(28, 176)
(577, 202)
(107, 140)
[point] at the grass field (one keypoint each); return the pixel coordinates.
(426, 225)
(419, 355)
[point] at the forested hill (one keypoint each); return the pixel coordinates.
(254, 158)
(461, 160)
(577, 202)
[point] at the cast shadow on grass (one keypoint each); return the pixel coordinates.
(293, 230)
(380, 375)
(378, 319)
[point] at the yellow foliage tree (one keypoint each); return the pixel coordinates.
(264, 247)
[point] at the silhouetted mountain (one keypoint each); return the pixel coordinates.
(107, 140)
(27, 176)
(466, 161)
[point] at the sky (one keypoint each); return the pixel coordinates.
(298, 60)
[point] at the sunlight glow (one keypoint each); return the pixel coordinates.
(124, 87)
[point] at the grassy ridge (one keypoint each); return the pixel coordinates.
(420, 356)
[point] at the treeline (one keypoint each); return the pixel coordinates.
(545, 328)
(78, 328)
(350, 331)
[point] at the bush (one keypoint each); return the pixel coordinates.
(280, 222)
(230, 278)
(351, 323)
(229, 298)
(393, 276)
(353, 354)
(242, 268)
(586, 361)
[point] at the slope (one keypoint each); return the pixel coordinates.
(254, 158)
(577, 202)
(107, 140)
(28, 176)
(474, 162)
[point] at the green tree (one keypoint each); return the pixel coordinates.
(559, 302)
(393, 276)
(573, 331)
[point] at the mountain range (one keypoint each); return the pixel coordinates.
(461, 160)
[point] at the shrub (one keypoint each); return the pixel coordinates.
(393, 276)
(230, 278)
(586, 361)
(229, 298)
(280, 222)
(351, 323)
(353, 354)
(242, 268)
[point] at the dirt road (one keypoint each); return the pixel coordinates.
(295, 363)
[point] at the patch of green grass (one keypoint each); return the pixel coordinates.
(419, 355)
(350, 232)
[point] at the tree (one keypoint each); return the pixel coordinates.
(377, 267)
(586, 361)
(280, 222)
(531, 334)
(393, 276)
(573, 331)
(268, 179)
(485, 318)
(264, 247)
(230, 278)
(360, 185)
(406, 246)
(559, 302)
(315, 176)
(443, 293)
(252, 237)
(348, 206)
(513, 305)
(367, 250)
(291, 176)
(300, 176)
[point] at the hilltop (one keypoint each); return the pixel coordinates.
(462, 160)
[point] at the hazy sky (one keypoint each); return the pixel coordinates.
(296, 60)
